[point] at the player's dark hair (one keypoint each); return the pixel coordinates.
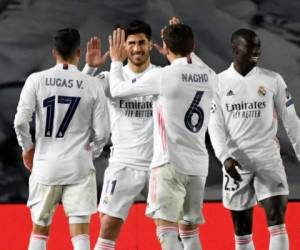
(66, 42)
(241, 33)
(179, 39)
(138, 26)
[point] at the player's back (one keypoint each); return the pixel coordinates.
(182, 115)
(65, 99)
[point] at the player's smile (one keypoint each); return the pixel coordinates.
(138, 48)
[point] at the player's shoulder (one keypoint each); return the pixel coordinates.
(104, 76)
(39, 75)
(153, 66)
(268, 73)
(225, 73)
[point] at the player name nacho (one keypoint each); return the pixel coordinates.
(64, 83)
(194, 77)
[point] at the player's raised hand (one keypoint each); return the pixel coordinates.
(174, 20)
(28, 158)
(160, 49)
(116, 45)
(230, 165)
(94, 57)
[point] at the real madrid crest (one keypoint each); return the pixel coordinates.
(213, 108)
(261, 91)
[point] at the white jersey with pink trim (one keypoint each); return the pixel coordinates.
(131, 123)
(71, 119)
(181, 110)
(244, 115)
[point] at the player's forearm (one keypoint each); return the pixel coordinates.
(118, 86)
(21, 125)
(88, 70)
(292, 127)
(98, 144)
(218, 140)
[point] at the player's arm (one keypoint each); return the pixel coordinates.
(94, 59)
(148, 84)
(25, 109)
(286, 110)
(100, 123)
(218, 136)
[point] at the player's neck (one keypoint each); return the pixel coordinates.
(172, 57)
(74, 61)
(242, 69)
(139, 68)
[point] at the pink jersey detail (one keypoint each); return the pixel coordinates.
(162, 129)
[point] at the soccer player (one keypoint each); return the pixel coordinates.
(72, 126)
(127, 174)
(243, 130)
(183, 93)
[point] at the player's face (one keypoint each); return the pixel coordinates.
(247, 51)
(138, 48)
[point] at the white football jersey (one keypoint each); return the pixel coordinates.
(71, 120)
(244, 114)
(131, 123)
(183, 93)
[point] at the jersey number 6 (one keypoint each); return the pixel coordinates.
(49, 103)
(194, 116)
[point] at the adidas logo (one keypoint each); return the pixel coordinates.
(230, 93)
(280, 185)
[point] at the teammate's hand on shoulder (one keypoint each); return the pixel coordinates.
(116, 45)
(28, 158)
(94, 57)
(230, 165)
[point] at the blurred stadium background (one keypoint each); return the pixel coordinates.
(26, 29)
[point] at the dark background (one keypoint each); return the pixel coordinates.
(27, 27)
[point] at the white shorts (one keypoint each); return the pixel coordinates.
(174, 196)
(261, 182)
(121, 187)
(78, 199)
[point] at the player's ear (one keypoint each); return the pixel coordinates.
(54, 54)
(78, 53)
(151, 44)
(165, 47)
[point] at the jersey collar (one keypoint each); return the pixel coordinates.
(181, 60)
(251, 73)
(132, 74)
(66, 66)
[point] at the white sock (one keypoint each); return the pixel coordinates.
(103, 244)
(168, 237)
(38, 242)
(244, 242)
(81, 242)
(279, 239)
(190, 239)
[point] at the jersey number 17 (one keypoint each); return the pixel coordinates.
(49, 104)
